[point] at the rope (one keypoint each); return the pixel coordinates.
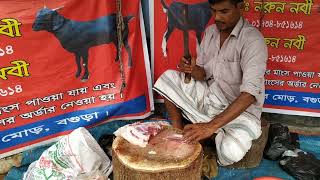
(120, 28)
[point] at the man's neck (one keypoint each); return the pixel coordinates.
(223, 36)
(225, 33)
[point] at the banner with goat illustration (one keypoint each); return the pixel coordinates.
(60, 69)
(292, 76)
(167, 32)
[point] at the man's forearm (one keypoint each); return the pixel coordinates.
(236, 108)
(198, 73)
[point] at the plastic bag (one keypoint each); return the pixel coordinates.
(279, 141)
(301, 165)
(95, 175)
(75, 154)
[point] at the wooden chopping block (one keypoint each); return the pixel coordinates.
(162, 159)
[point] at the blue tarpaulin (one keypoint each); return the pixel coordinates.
(309, 144)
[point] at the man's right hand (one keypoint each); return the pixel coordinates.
(196, 72)
(186, 66)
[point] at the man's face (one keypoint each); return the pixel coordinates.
(226, 14)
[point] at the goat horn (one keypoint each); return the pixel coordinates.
(55, 9)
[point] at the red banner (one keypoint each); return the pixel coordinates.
(59, 69)
(289, 27)
(292, 76)
(169, 50)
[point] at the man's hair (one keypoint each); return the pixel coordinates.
(235, 2)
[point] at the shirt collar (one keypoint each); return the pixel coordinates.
(236, 30)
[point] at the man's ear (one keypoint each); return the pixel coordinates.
(240, 6)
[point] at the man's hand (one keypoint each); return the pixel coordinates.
(186, 66)
(196, 132)
(196, 72)
(200, 131)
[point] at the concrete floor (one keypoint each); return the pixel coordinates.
(300, 124)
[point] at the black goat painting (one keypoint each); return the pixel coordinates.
(198, 17)
(78, 37)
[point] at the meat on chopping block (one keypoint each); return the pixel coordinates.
(140, 133)
(165, 157)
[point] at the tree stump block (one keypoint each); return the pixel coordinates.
(162, 159)
(255, 154)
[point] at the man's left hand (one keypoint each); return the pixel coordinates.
(196, 132)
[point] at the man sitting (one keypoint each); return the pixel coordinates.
(226, 92)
